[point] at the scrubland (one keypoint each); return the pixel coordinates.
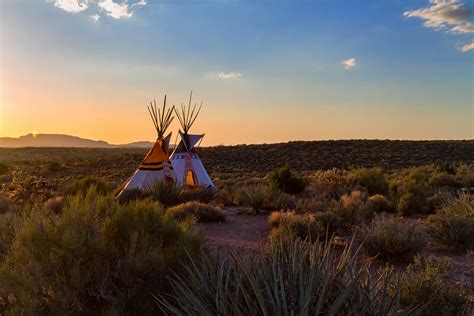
(355, 227)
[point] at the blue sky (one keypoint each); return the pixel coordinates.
(267, 71)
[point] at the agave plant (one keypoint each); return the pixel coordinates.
(295, 278)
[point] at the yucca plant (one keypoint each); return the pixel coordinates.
(295, 278)
(254, 195)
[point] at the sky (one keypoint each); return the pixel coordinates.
(266, 70)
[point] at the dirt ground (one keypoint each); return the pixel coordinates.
(239, 233)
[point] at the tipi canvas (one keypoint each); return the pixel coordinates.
(190, 171)
(156, 166)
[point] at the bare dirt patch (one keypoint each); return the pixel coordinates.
(239, 233)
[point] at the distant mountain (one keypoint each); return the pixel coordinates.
(59, 140)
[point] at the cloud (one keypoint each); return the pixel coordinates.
(115, 10)
(442, 13)
(467, 47)
(463, 29)
(349, 63)
(229, 75)
(73, 6)
(95, 17)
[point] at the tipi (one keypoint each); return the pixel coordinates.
(156, 166)
(190, 171)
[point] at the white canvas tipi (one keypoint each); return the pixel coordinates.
(190, 171)
(156, 166)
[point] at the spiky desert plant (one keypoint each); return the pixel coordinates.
(294, 278)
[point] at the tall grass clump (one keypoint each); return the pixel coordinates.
(453, 225)
(424, 284)
(94, 257)
(82, 186)
(296, 278)
(203, 213)
(283, 179)
(373, 179)
(388, 239)
(166, 193)
(254, 195)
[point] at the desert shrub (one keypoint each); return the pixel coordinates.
(278, 200)
(453, 225)
(390, 240)
(53, 166)
(373, 179)
(312, 204)
(379, 203)
(332, 178)
(166, 193)
(352, 209)
(203, 213)
(294, 278)
(410, 193)
(199, 193)
(82, 186)
(330, 222)
(288, 224)
(132, 195)
(224, 197)
(3, 168)
(443, 179)
(465, 175)
(94, 257)
(438, 200)
(283, 179)
(254, 195)
(424, 285)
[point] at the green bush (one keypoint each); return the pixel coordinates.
(203, 213)
(132, 195)
(453, 225)
(379, 203)
(166, 193)
(410, 193)
(82, 186)
(443, 179)
(283, 179)
(465, 175)
(373, 179)
(292, 278)
(424, 285)
(288, 224)
(390, 240)
(95, 257)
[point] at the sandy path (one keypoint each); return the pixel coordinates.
(240, 233)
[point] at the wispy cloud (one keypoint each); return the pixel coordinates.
(228, 75)
(463, 29)
(73, 6)
(349, 63)
(95, 17)
(113, 8)
(450, 15)
(442, 13)
(468, 47)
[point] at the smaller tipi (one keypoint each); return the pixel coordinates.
(156, 166)
(190, 171)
